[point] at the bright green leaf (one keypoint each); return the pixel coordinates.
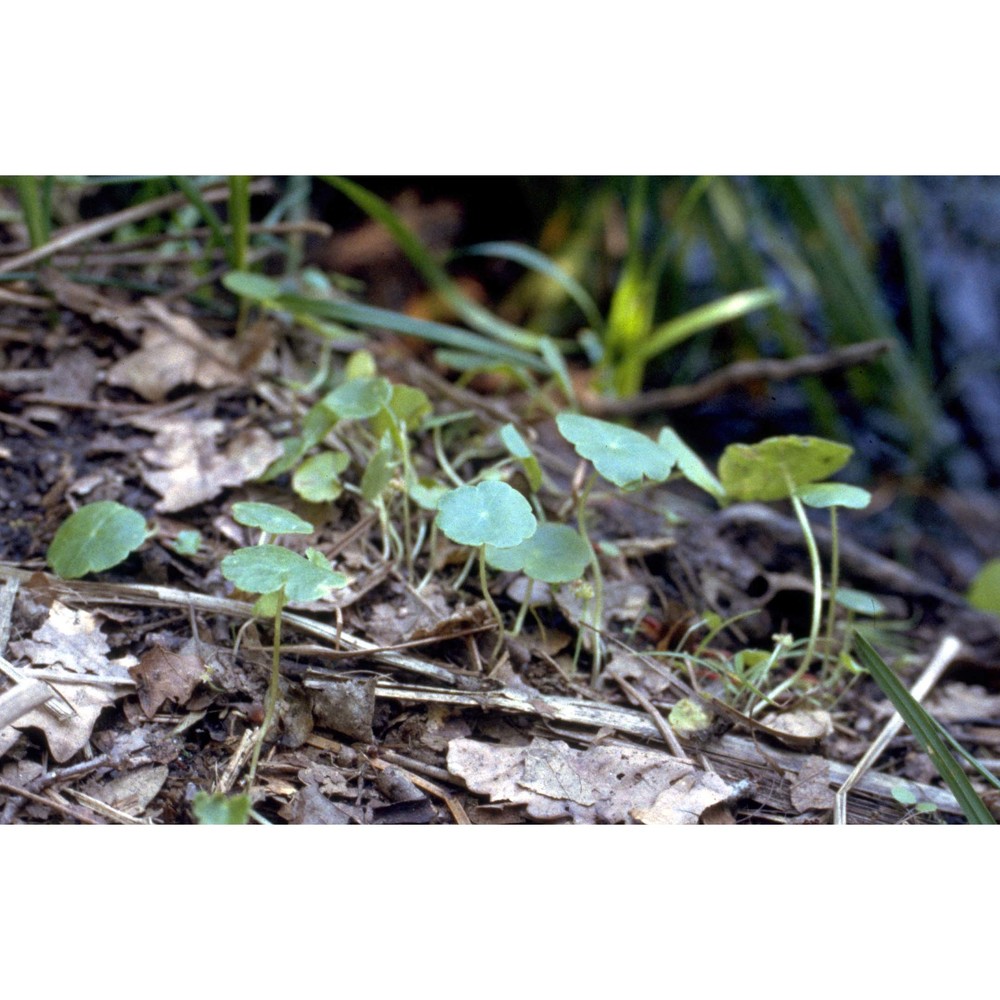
(692, 467)
(408, 406)
(94, 538)
(520, 449)
(555, 553)
(221, 810)
(359, 399)
(834, 495)
(621, 455)
(317, 479)
(489, 513)
(903, 795)
(264, 569)
(271, 518)
(984, 592)
(187, 542)
(779, 466)
(379, 471)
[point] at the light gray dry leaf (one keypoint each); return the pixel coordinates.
(810, 788)
(133, 791)
(72, 640)
(193, 470)
(603, 784)
(175, 351)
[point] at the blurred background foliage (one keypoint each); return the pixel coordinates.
(624, 285)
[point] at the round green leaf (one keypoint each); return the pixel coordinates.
(777, 467)
(187, 542)
(359, 399)
(274, 520)
(835, 495)
(555, 553)
(264, 569)
(621, 455)
(317, 479)
(984, 593)
(489, 513)
(94, 538)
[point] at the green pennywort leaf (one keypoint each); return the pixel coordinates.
(621, 455)
(359, 399)
(489, 513)
(779, 466)
(317, 479)
(984, 592)
(94, 538)
(265, 569)
(555, 553)
(270, 518)
(822, 495)
(692, 467)
(221, 810)
(520, 449)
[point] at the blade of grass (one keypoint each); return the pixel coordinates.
(239, 219)
(534, 260)
(436, 333)
(29, 193)
(925, 730)
(436, 277)
(723, 310)
(205, 210)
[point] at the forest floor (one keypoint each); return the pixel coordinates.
(394, 706)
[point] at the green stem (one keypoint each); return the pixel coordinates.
(834, 580)
(817, 609)
(489, 600)
(271, 700)
(597, 612)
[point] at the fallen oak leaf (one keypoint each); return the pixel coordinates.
(193, 470)
(162, 675)
(73, 640)
(606, 784)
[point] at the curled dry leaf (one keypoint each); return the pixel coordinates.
(799, 729)
(605, 784)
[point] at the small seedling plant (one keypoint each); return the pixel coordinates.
(280, 576)
(490, 513)
(623, 457)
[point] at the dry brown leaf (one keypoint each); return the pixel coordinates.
(162, 675)
(133, 791)
(193, 470)
(72, 640)
(175, 351)
(799, 729)
(605, 784)
(810, 788)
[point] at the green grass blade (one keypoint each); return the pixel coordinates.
(436, 333)
(208, 214)
(535, 260)
(239, 220)
(436, 277)
(29, 193)
(926, 731)
(723, 310)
